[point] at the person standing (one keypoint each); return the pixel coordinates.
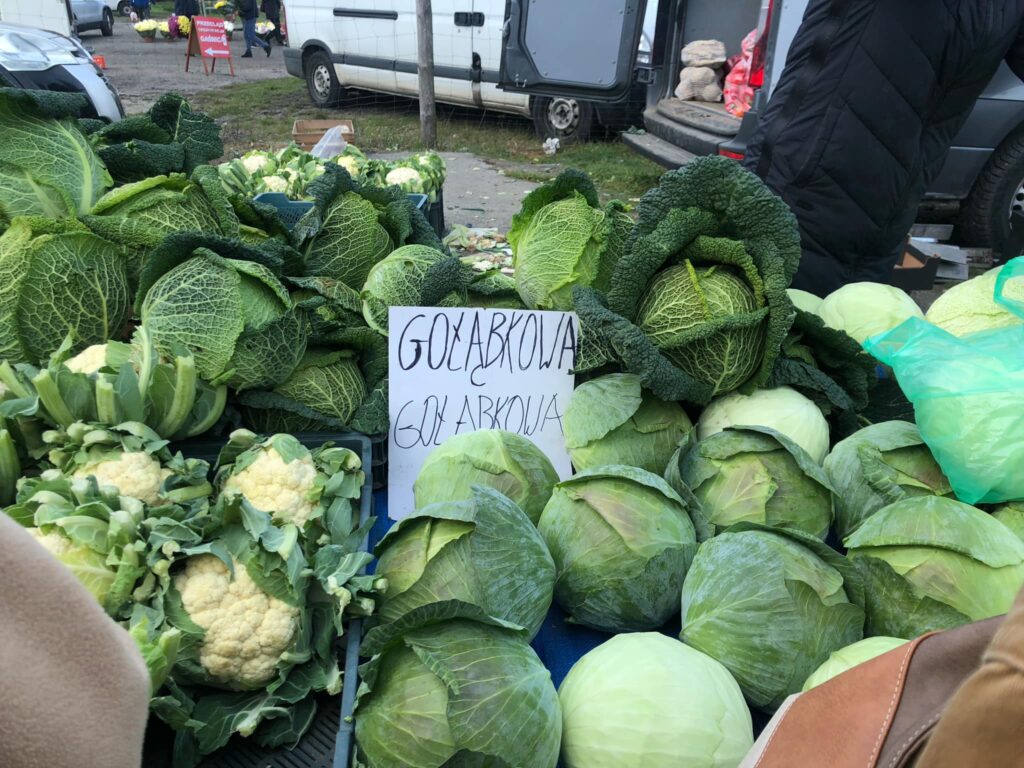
(248, 11)
(141, 9)
(872, 94)
(272, 10)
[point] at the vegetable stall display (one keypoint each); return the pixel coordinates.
(736, 529)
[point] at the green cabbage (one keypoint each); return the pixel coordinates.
(707, 322)
(934, 563)
(57, 278)
(351, 242)
(803, 300)
(1011, 515)
(878, 465)
(849, 657)
(771, 606)
(864, 310)
(611, 420)
(507, 462)
(622, 541)
(233, 315)
(477, 559)
(971, 307)
(783, 409)
(644, 700)
(561, 238)
(412, 276)
(457, 694)
(47, 166)
(757, 475)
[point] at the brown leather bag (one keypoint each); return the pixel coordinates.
(881, 713)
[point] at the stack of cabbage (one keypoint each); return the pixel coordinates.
(291, 170)
(234, 594)
(285, 330)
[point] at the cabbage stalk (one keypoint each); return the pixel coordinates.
(645, 700)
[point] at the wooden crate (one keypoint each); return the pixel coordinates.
(306, 133)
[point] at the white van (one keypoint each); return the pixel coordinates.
(371, 45)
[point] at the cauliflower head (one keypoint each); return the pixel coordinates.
(274, 184)
(284, 490)
(53, 542)
(89, 360)
(247, 630)
(350, 165)
(404, 177)
(256, 162)
(133, 473)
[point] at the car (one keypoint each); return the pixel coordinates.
(371, 45)
(91, 15)
(37, 59)
(979, 187)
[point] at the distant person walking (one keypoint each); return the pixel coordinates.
(249, 11)
(272, 10)
(141, 9)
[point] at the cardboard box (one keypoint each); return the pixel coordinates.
(306, 133)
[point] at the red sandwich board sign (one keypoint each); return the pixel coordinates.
(208, 40)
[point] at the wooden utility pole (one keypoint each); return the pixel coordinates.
(425, 60)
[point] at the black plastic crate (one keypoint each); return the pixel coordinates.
(328, 741)
(435, 214)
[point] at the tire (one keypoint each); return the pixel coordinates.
(107, 27)
(560, 118)
(322, 81)
(998, 190)
(124, 8)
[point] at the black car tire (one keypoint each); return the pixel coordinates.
(567, 120)
(107, 27)
(998, 190)
(124, 8)
(322, 82)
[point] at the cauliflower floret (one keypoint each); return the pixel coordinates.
(280, 489)
(133, 473)
(402, 177)
(53, 542)
(274, 184)
(350, 165)
(254, 163)
(89, 360)
(247, 630)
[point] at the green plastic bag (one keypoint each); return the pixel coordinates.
(968, 396)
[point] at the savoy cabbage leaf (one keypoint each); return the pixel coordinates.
(47, 165)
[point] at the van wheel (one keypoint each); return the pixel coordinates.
(998, 192)
(565, 119)
(107, 27)
(322, 82)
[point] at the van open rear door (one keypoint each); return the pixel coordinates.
(584, 49)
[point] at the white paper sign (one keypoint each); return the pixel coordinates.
(457, 370)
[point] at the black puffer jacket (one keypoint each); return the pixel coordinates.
(872, 95)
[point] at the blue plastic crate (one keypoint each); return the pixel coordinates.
(291, 211)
